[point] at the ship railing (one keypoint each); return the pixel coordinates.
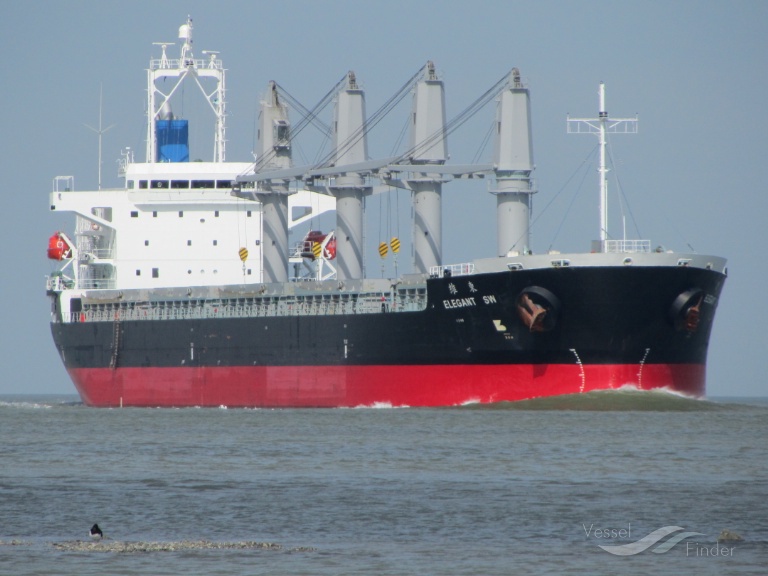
(449, 270)
(63, 184)
(96, 284)
(406, 300)
(303, 249)
(171, 63)
(373, 304)
(627, 246)
(98, 254)
(411, 300)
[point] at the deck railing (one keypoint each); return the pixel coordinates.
(407, 300)
(463, 269)
(627, 246)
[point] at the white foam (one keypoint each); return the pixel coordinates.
(632, 388)
(25, 405)
(381, 405)
(469, 402)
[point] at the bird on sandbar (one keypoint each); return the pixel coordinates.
(96, 532)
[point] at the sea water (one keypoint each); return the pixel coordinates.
(548, 486)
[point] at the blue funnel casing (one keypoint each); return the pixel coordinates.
(172, 140)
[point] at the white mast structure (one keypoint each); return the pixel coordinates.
(422, 170)
(513, 162)
(275, 153)
(601, 126)
(429, 149)
(349, 187)
(185, 67)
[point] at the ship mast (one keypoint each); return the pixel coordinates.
(275, 151)
(601, 126)
(349, 187)
(429, 150)
(421, 169)
(186, 66)
(101, 131)
(513, 166)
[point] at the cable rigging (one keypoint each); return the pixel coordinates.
(371, 122)
(457, 121)
(621, 194)
(308, 117)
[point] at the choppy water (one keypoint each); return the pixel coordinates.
(511, 488)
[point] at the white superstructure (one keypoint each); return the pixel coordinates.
(174, 222)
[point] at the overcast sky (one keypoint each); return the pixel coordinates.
(696, 174)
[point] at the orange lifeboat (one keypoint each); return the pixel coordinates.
(316, 238)
(58, 247)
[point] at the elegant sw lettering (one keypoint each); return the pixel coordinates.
(459, 303)
(464, 302)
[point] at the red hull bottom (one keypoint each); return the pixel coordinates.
(351, 386)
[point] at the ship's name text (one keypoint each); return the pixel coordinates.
(465, 302)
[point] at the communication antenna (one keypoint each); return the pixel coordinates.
(100, 131)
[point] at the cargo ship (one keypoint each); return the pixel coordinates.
(181, 288)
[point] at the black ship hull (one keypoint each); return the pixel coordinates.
(476, 341)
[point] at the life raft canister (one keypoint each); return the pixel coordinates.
(58, 249)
